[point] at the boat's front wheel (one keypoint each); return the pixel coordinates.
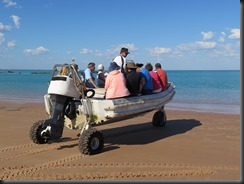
(91, 142)
(159, 118)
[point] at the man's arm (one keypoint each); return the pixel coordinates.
(92, 82)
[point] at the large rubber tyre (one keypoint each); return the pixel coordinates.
(91, 142)
(159, 119)
(35, 133)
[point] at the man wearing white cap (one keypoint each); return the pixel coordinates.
(100, 76)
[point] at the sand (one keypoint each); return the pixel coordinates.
(192, 146)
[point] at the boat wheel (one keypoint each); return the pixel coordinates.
(159, 118)
(91, 142)
(35, 133)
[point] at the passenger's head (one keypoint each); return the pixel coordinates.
(64, 71)
(91, 66)
(124, 52)
(131, 65)
(149, 66)
(139, 66)
(100, 67)
(113, 66)
(157, 65)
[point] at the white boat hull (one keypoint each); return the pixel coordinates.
(104, 110)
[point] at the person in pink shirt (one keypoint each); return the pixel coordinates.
(115, 83)
(155, 79)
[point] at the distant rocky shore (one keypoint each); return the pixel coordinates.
(12, 72)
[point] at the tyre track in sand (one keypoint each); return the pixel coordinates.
(29, 149)
(106, 170)
(12, 148)
(116, 175)
(17, 172)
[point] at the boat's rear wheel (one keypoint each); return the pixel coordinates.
(91, 142)
(159, 118)
(35, 133)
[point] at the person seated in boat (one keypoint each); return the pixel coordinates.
(115, 83)
(147, 87)
(90, 80)
(162, 76)
(133, 80)
(64, 71)
(100, 76)
(155, 79)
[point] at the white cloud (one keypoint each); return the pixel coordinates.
(222, 37)
(207, 35)
(185, 47)
(205, 45)
(85, 51)
(227, 50)
(109, 53)
(9, 3)
(235, 34)
(116, 49)
(16, 20)
(11, 44)
(223, 34)
(130, 46)
(37, 51)
(1, 38)
(4, 27)
(159, 50)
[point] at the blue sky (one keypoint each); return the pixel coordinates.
(180, 34)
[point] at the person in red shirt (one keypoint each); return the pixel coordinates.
(162, 76)
(157, 87)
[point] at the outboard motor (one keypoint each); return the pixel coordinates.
(62, 100)
(62, 94)
(55, 124)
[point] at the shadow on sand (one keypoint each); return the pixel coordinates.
(138, 134)
(145, 133)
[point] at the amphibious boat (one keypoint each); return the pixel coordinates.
(68, 103)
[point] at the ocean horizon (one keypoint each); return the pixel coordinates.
(196, 90)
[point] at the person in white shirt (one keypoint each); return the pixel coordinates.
(121, 59)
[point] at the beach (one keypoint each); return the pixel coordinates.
(199, 146)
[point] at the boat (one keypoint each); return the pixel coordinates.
(68, 103)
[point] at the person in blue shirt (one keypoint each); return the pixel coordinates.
(90, 80)
(146, 79)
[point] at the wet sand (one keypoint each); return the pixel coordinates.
(191, 146)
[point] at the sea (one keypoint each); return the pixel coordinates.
(196, 90)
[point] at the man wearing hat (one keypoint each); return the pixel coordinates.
(121, 59)
(133, 79)
(100, 76)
